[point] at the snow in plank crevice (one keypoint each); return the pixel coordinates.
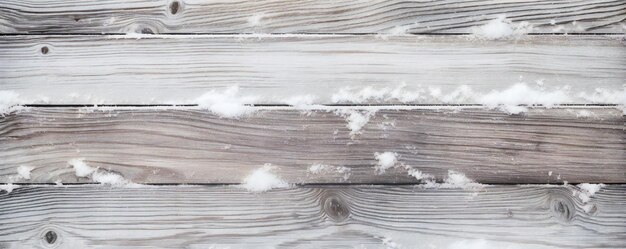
(263, 179)
(371, 94)
(501, 28)
(82, 169)
(325, 169)
(9, 187)
(227, 103)
(584, 192)
(9, 101)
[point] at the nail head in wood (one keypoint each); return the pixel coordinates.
(336, 208)
(50, 237)
(44, 50)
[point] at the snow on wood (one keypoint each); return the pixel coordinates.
(193, 145)
(539, 216)
(293, 16)
(330, 69)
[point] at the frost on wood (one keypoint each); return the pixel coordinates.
(263, 179)
(324, 169)
(227, 103)
(81, 169)
(501, 28)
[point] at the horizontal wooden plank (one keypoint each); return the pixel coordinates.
(311, 16)
(166, 69)
(312, 217)
(194, 146)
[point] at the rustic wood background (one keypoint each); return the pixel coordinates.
(67, 58)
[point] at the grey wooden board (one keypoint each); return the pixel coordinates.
(178, 69)
(194, 146)
(311, 16)
(230, 217)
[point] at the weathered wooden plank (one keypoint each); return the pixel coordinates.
(229, 217)
(311, 16)
(105, 69)
(194, 146)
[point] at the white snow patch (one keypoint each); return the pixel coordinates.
(8, 101)
(81, 169)
(262, 179)
(9, 187)
(587, 190)
(370, 94)
(24, 171)
(509, 100)
(501, 28)
(356, 119)
(386, 160)
(226, 103)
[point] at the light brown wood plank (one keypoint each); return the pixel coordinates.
(310, 16)
(229, 217)
(195, 146)
(178, 69)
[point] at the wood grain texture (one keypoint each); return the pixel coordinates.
(195, 146)
(119, 69)
(310, 16)
(228, 217)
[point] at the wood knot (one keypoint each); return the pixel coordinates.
(50, 237)
(45, 50)
(147, 31)
(336, 208)
(562, 208)
(174, 7)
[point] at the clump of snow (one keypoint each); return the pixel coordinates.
(24, 171)
(386, 160)
(9, 187)
(227, 103)
(501, 28)
(8, 101)
(81, 169)
(370, 94)
(587, 190)
(356, 119)
(509, 100)
(262, 179)
(318, 169)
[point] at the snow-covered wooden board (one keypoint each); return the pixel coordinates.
(178, 69)
(194, 146)
(513, 217)
(310, 16)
